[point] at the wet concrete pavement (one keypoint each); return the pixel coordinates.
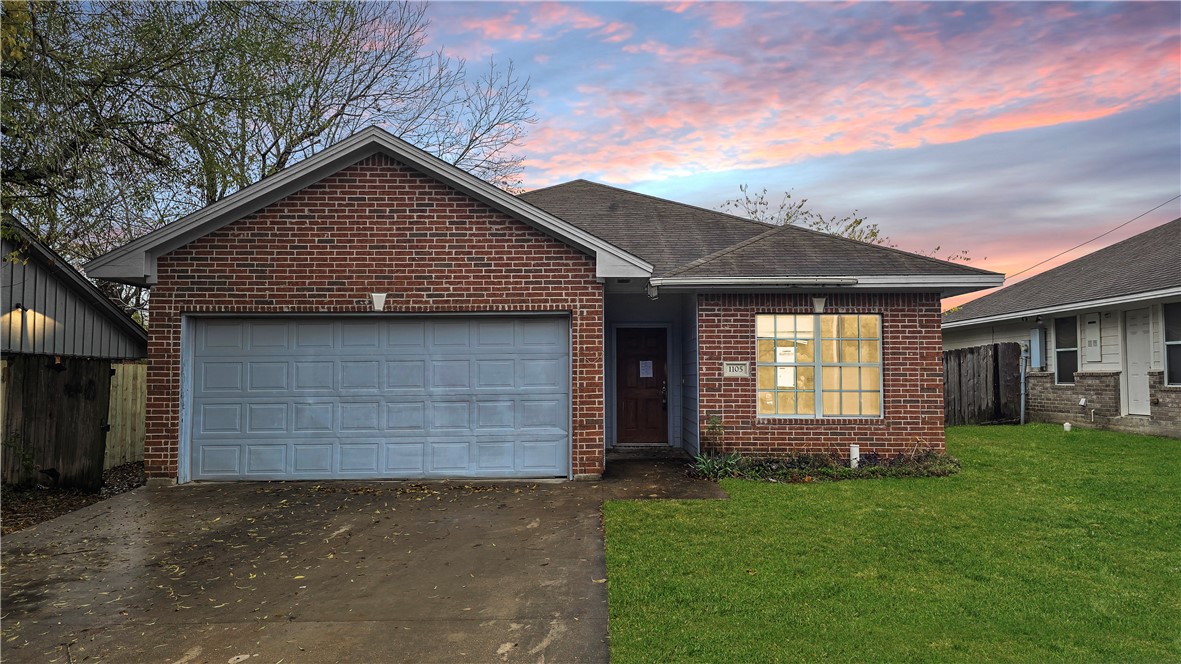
(325, 572)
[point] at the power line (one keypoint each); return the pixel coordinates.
(1094, 238)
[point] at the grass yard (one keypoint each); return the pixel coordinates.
(1048, 546)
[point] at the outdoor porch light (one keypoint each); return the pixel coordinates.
(378, 301)
(818, 304)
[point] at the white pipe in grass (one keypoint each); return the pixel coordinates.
(854, 455)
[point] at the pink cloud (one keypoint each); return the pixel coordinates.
(760, 96)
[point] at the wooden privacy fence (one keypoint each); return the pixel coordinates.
(67, 419)
(982, 385)
(125, 440)
(55, 416)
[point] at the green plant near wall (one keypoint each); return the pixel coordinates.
(715, 432)
(22, 452)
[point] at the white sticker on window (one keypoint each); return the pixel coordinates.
(645, 368)
(786, 376)
(785, 354)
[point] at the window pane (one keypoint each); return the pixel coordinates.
(805, 351)
(831, 377)
(1067, 365)
(871, 351)
(1173, 364)
(849, 378)
(871, 403)
(848, 350)
(766, 378)
(805, 378)
(1065, 332)
(766, 403)
(828, 351)
(1173, 322)
(803, 327)
(785, 326)
(785, 351)
(871, 378)
(832, 403)
(869, 327)
(806, 403)
(849, 326)
(785, 377)
(850, 403)
(828, 326)
(787, 403)
(765, 326)
(766, 351)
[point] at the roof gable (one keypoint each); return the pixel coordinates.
(1149, 262)
(135, 262)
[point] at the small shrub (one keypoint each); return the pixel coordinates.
(716, 466)
(799, 467)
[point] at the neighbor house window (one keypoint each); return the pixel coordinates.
(819, 365)
(1173, 343)
(1065, 349)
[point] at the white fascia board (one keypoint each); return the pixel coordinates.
(1073, 306)
(123, 264)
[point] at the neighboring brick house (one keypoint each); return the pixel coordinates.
(1104, 333)
(373, 312)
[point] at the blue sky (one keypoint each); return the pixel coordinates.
(1012, 130)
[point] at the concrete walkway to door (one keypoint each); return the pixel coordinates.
(325, 572)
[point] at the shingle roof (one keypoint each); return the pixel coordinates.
(665, 233)
(686, 241)
(1150, 261)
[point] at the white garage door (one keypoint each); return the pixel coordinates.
(318, 398)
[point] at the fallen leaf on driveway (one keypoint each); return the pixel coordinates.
(599, 580)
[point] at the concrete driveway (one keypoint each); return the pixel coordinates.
(324, 572)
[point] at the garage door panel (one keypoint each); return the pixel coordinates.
(457, 397)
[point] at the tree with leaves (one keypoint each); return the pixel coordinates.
(118, 117)
(790, 210)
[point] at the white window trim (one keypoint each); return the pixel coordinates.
(817, 364)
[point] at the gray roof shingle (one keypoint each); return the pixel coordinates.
(1150, 261)
(686, 241)
(665, 233)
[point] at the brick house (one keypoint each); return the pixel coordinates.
(373, 312)
(1104, 333)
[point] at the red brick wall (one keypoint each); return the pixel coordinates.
(375, 227)
(912, 369)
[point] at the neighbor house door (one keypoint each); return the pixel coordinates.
(1139, 347)
(641, 385)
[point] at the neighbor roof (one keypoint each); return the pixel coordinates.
(1148, 264)
(693, 246)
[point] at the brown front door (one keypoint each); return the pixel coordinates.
(641, 385)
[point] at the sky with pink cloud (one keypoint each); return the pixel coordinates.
(1012, 130)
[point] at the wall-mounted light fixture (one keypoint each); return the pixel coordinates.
(818, 305)
(378, 301)
(19, 307)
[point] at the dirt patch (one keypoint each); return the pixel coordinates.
(21, 507)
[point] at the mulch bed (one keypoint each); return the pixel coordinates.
(21, 507)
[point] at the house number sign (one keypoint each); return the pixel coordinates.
(736, 369)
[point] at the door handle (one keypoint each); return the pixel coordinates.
(664, 393)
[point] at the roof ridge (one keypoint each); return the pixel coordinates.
(709, 258)
(658, 199)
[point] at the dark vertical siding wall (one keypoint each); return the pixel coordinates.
(55, 320)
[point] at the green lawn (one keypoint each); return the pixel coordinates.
(1047, 546)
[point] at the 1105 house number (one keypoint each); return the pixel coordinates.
(736, 369)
